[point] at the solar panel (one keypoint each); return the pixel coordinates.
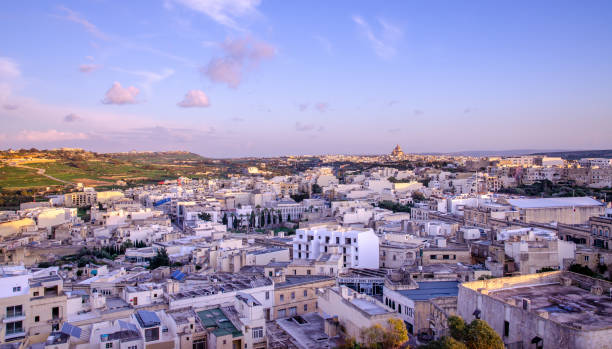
(71, 330)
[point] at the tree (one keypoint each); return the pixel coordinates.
(316, 189)
(160, 259)
(480, 335)
(205, 216)
(252, 219)
(476, 335)
(418, 196)
(224, 219)
(393, 336)
(457, 327)
(444, 343)
(397, 333)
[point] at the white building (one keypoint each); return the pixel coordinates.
(358, 246)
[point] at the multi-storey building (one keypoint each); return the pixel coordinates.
(601, 231)
(358, 246)
(33, 303)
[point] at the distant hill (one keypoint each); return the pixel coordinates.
(578, 154)
(43, 168)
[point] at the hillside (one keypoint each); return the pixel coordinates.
(41, 168)
(578, 154)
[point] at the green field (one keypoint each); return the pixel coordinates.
(15, 177)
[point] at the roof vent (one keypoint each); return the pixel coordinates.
(565, 281)
(597, 290)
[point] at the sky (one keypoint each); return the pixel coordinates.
(233, 78)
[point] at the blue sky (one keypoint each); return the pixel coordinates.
(229, 78)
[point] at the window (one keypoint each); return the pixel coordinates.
(305, 293)
(151, 334)
(267, 295)
(282, 312)
(270, 273)
(55, 313)
(14, 311)
(586, 258)
(337, 241)
(394, 257)
(36, 318)
(506, 329)
(282, 298)
(136, 347)
(199, 344)
(17, 289)
(433, 256)
(36, 294)
(293, 311)
(305, 307)
(445, 256)
(399, 308)
(14, 327)
(292, 295)
(308, 272)
(258, 332)
(109, 345)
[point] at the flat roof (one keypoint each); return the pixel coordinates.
(568, 305)
(554, 202)
(293, 280)
(215, 318)
(432, 289)
(369, 307)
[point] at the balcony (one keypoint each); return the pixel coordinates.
(14, 316)
(20, 333)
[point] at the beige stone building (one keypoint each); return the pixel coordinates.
(296, 295)
(560, 310)
(33, 304)
(354, 311)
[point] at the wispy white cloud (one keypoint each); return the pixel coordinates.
(240, 55)
(327, 45)
(300, 127)
(194, 98)
(120, 95)
(383, 43)
(48, 136)
(148, 78)
(224, 12)
(75, 17)
(90, 27)
(9, 69)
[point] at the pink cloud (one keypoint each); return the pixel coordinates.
(49, 136)
(88, 68)
(240, 56)
(322, 106)
(121, 95)
(194, 98)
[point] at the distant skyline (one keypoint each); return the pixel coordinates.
(238, 78)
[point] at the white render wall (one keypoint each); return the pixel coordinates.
(361, 252)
